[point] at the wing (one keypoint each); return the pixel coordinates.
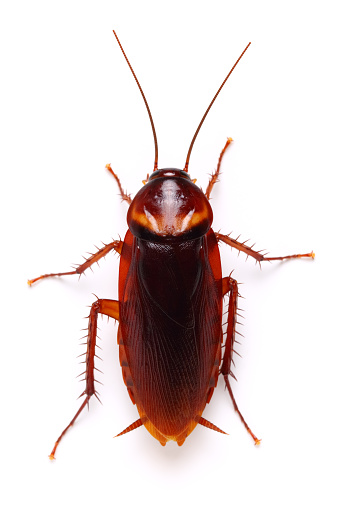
(170, 320)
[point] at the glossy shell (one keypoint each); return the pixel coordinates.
(170, 295)
(169, 206)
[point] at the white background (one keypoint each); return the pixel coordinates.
(69, 105)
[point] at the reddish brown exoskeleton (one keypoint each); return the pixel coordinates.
(170, 302)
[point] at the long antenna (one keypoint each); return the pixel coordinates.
(145, 102)
(207, 111)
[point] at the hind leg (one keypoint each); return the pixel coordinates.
(229, 286)
(106, 307)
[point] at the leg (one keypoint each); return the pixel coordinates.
(116, 244)
(126, 197)
(105, 307)
(214, 176)
(241, 246)
(229, 285)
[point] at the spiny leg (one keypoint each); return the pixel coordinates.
(126, 197)
(105, 307)
(229, 285)
(116, 244)
(241, 246)
(215, 175)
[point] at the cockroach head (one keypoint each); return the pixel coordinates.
(169, 207)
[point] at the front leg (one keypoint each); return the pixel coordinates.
(230, 286)
(116, 244)
(214, 177)
(241, 246)
(106, 307)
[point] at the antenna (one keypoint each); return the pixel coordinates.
(145, 102)
(207, 111)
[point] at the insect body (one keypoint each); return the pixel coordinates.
(172, 281)
(170, 303)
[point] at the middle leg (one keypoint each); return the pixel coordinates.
(94, 258)
(259, 257)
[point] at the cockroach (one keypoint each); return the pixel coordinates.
(171, 344)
